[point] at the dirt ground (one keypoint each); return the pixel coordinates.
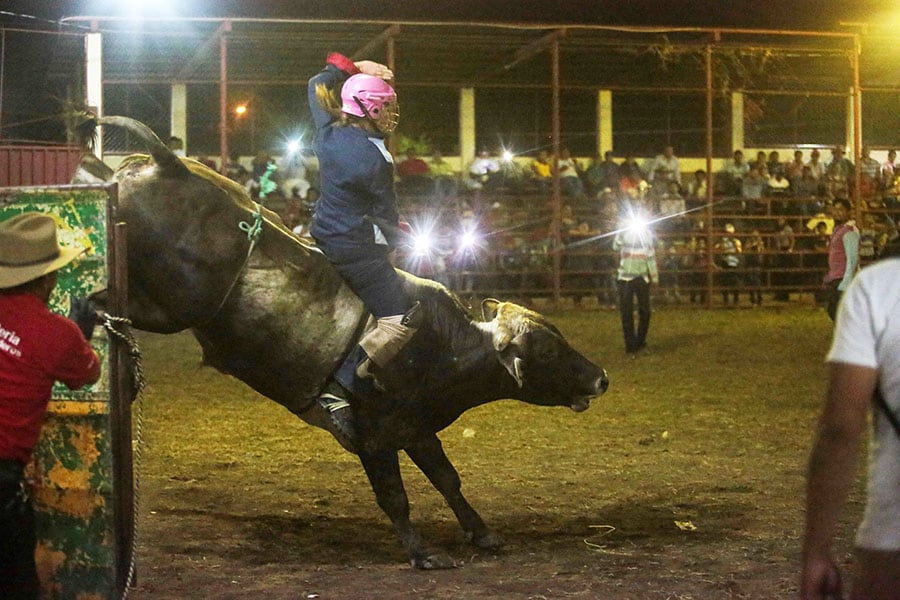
(685, 481)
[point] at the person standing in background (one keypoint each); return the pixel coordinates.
(636, 244)
(843, 253)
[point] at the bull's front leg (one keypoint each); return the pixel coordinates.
(383, 471)
(428, 454)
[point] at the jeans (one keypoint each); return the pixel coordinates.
(639, 289)
(18, 573)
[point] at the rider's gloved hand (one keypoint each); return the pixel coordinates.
(85, 316)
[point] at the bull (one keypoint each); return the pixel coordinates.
(271, 311)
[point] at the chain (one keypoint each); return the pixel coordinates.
(124, 335)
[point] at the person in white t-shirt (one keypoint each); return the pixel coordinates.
(864, 356)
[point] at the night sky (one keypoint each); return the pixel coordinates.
(30, 92)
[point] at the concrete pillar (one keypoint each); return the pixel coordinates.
(604, 121)
(737, 121)
(178, 127)
(466, 127)
(93, 88)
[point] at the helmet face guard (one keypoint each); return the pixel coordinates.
(372, 98)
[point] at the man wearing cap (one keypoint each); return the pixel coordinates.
(37, 347)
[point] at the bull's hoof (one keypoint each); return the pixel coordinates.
(486, 540)
(432, 562)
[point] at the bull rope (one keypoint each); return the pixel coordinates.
(124, 335)
(253, 231)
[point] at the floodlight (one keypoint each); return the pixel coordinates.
(468, 240)
(294, 146)
(240, 110)
(637, 224)
(508, 156)
(422, 243)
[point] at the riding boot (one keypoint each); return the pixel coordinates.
(388, 337)
(331, 411)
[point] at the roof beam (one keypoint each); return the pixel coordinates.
(376, 42)
(535, 47)
(203, 52)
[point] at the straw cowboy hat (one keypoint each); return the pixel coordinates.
(28, 249)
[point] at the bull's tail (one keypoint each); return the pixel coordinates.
(86, 131)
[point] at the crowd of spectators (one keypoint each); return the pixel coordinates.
(767, 227)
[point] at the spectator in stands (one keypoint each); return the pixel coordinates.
(542, 171)
(602, 174)
(630, 174)
(608, 217)
(762, 160)
(728, 258)
(868, 166)
(839, 174)
(733, 174)
(889, 170)
(670, 204)
(262, 163)
(696, 190)
(843, 253)
(206, 161)
(176, 145)
(869, 173)
(235, 171)
(484, 171)
(753, 187)
(793, 170)
(778, 185)
(697, 263)
(444, 176)
(414, 174)
(783, 242)
(816, 166)
(754, 252)
(868, 234)
(890, 180)
(569, 174)
(579, 258)
(774, 165)
(292, 172)
(664, 169)
(806, 185)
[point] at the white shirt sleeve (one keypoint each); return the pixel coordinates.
(855, 340)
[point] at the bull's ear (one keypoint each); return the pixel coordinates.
(489, 308)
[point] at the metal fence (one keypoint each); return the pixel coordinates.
(502, 245)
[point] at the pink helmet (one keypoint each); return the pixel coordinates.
(370, 97)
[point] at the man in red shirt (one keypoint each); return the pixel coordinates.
(37, 347)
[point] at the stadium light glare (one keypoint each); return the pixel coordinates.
(294, 146)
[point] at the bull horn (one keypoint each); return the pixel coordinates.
(170, 165)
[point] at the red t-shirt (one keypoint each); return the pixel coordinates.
(37, 347)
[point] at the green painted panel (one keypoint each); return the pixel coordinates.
(71, 474)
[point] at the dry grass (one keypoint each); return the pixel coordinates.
(712, 428)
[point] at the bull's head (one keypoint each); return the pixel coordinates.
(545, 367)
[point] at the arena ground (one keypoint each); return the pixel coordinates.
(684, 482)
